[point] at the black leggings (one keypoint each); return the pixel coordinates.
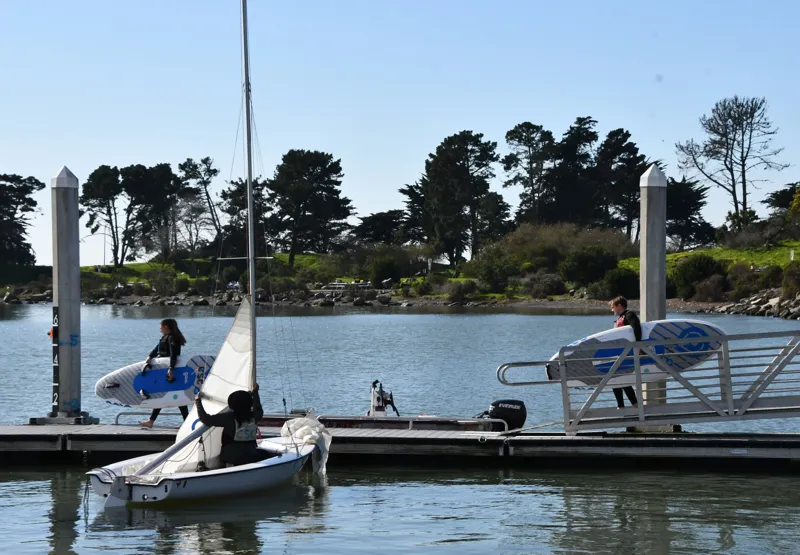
(184, 412)
(629, 391)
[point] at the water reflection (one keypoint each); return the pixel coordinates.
(226, 525)
(411, 510)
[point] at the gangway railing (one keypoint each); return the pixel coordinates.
(736, 377)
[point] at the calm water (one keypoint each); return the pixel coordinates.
(435, 364)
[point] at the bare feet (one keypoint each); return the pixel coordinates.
(146, 424)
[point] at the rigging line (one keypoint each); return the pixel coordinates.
(293, 338)
(280, 338)
(281, 317)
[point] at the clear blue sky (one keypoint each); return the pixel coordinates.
(377, 83)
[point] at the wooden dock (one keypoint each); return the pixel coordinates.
(101, 444)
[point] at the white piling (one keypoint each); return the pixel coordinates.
(66, 322)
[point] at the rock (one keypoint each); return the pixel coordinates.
(384, 299)
(140, 302)
(200, 302)
(9, 298)
(367, 303)
(347, 299)
(324, 302)
(221, 303)
(319, 295)
(358, 301)
(37, 298)
(49, 294)
(370, 295)
(406, 304)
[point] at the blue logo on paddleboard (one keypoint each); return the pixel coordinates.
(702, 350)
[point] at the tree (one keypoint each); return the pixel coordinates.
(195, 222)
(570, 191)
(16, 203)
(381, 227)
(202, 174)
(234, 206)
(459, 173)
(103, 198)
(155, 192)
(686, 227)
(530, 157)
(418, 221)
(304, 196)
(738, 143)
(779, 202)
(494, 215)
(618, 168)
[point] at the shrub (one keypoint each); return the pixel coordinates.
(599, 290)
(542, 285)
(181, 285)
(622, 281)
(276, 284)
(692, 270)
(141, 289)
(791, 280)
(588, 264)
(230, 273)
(493, 268)
(711, 289)
(161, 279)
(458, 291)
(423, 288)
(770, 277)
(91, 281)
(383, 268)
(203, 286)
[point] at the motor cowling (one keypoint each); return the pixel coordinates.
(512, 411)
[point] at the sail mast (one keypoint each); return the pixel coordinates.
(251, 225)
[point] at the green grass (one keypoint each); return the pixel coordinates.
(773, 256)
(300, 260)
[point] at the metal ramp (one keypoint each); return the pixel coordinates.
(744, 377)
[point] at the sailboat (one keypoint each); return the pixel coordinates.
(191, 468)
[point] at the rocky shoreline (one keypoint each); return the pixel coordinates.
(768, 303)
(366, 299)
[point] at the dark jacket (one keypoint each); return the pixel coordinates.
(227, 421)
(167, 347)
(629, 318)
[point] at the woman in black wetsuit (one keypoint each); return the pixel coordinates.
(239, 427)
(168, 346)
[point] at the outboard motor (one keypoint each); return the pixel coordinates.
(379, 400)
(511, 411)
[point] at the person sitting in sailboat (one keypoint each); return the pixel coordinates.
(239, 427)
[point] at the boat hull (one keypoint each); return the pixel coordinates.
(122, 489)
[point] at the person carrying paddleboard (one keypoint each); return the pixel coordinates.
(625, 317)
(168, 346)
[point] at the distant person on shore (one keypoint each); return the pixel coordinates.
(168, 346)
(625, 317)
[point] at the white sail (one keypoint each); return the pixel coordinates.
(231, 372)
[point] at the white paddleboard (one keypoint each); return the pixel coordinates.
(590, 372)
(128, 387)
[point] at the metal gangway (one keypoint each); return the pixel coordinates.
(739, 377)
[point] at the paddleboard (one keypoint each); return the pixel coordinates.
(128, 387)
(590, 372)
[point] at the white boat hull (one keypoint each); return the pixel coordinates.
(120, 488)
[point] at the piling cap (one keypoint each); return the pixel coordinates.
(653, 177)
(65, 178)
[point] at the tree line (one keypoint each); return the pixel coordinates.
(578, 178)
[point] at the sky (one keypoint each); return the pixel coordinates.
(377, 84)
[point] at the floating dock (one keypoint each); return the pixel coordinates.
(104, 443)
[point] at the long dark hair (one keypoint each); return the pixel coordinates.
(174, 331)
